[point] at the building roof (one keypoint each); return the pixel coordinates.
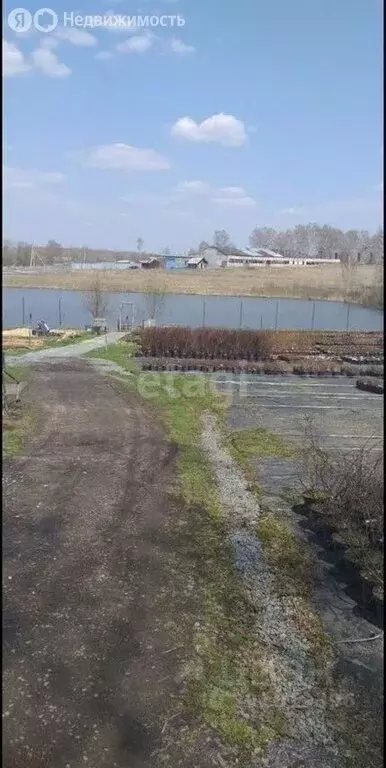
(150, 260)
(196, 260)
(263, 252)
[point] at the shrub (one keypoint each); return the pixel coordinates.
(223, 344)
(370, 385)
(349, 494)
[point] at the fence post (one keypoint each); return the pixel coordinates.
(313, 317)
(23, 312)
(60, 313)
(241, 313)
(348, 317)
(261, 322)
(277, 315)
(203, 311)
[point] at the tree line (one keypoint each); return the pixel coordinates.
(312, 240)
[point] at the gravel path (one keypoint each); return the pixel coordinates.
(295, 680)
(59, 353)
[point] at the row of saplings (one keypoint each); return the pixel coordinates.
(223, 344)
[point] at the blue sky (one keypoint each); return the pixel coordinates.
(250, 113)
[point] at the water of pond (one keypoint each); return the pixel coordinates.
(21, 306)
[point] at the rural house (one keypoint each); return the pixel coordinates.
(197, 262)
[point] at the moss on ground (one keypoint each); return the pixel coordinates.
(259, 443)
(246, 444)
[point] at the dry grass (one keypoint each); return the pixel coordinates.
(362, 286)
(21, 339)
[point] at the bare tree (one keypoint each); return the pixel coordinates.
(321, 242)
(202, 247)
(52, 252)
(96, 299)
(263, 237)
(154, 299)
(221, 239)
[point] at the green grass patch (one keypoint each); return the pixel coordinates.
(291, 561)
(122, 353)
(285, 552)
(18, 352)
(259, 443)
(247, 444)
(18, 425)
(19, 372)
(228, 687)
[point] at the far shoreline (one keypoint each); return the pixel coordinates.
(324, 283)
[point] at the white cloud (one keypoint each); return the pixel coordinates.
(104, 55)
(230, 196)
(76, 36)
(223, 129)
(49, 42)
(133, 28)
(193, 187)
(20, 178)
(294, 211)
(180, 48)
(48, 63)
(136, 44)
(233, 196)
(124, 157)
(42, 59)
(13, 60)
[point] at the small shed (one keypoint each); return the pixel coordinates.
(197, 262)
(151, 263)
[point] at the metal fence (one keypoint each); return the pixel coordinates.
(192, 311)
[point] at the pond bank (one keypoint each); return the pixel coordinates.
(68, 308)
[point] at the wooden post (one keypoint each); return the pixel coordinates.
(313, 317)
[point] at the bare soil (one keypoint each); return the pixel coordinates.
(89, 545)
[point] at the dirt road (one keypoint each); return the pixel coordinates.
(89, 598)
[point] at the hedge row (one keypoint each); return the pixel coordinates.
(215, 343)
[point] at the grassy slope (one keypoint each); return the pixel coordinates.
(326, 282)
